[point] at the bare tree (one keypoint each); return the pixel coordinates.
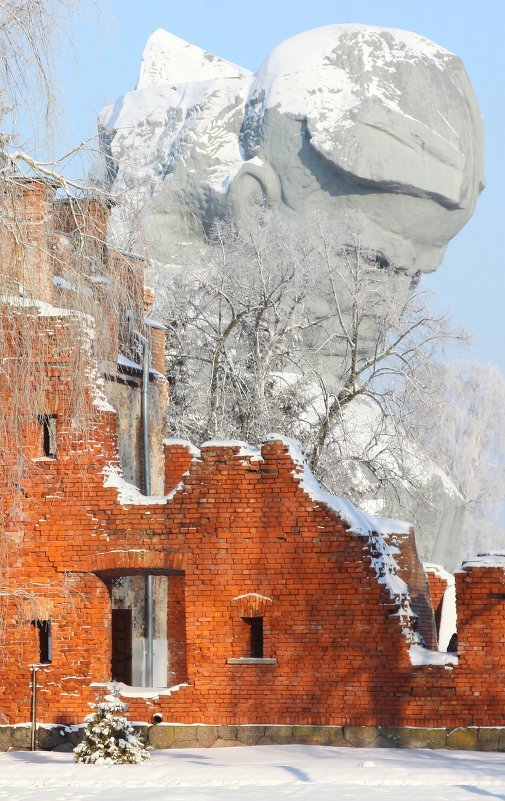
(463, 427)
(307, 332)
(31, 33)
(243, 317)
(28, 31)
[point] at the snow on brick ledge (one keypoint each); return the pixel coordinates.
(359, 522)
(129, 494)
(489, 559)
(124, 690)
(421, 656)
(439, 571)
(185, 443)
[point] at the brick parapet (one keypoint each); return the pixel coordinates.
(178, 457)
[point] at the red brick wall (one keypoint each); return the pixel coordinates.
(86, 221)
(157, 341)
(27, 207)
(178, 457)
(176, 630)
(239, 526)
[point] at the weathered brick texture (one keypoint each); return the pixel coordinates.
(178, 457)
(239, 538)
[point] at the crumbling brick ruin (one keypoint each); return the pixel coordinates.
(274, 603)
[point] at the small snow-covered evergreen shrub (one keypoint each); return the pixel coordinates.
(109, 738)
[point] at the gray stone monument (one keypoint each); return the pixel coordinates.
(379, 123)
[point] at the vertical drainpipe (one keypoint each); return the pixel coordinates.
(33, 732)
(146, 456)
(149, 633)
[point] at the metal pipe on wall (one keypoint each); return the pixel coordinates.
(144, 411)
(149, 632)
(146, 457)
(33, 733)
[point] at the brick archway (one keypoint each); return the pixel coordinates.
(126, 634)
(125, 562)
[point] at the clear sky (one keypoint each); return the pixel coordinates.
(471, 280)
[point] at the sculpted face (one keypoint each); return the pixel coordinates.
(378, 124)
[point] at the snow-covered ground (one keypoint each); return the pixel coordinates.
(269, 773)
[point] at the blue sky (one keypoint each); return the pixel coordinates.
(471, 281)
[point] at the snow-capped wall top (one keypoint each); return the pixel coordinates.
(169, 59)
(439, 571)
(359, 522)
(244, 449)
(186, 443)
(490, 559)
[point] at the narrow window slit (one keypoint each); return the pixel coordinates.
(45, 650)
(255, 636)
(48, 424)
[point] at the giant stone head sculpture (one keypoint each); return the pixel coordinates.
(378, 123)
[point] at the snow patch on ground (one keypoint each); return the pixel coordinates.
(263, 773)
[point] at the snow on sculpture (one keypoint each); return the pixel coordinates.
(379, 123)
